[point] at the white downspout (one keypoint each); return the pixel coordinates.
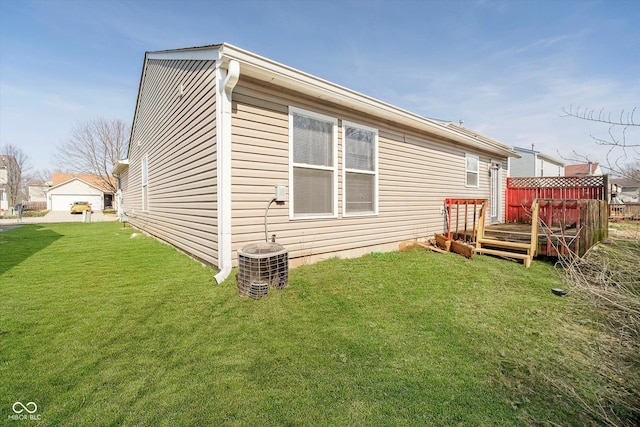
(226, 83)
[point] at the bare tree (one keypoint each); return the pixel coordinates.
(623, 155)
(17, 165)
(43, 175)
(94, 147)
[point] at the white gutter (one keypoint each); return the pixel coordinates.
(120, 167)
(226, 82)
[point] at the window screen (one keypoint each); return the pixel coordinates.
(313, 165)
(472, 170)
(360, 169)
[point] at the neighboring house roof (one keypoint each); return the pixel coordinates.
(62, 184)
(264, 69)
(96, 181)
(540, 155)
(476, 135)
(551, 159)
(582, 169)
(625, 182)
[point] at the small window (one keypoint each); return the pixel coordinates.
(473, 171)
(145, 182)
(360, 166)
(313, 165)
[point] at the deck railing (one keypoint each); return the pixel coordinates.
(522, 191)
(620, 211)
(574, 225)
(463, 216)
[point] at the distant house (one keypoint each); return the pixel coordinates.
(67, 188)
(216, 128)
(628, 190)
(535, 163)
(583, 169)
(37, 190)
(4, 180)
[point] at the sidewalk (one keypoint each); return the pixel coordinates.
(59, 216)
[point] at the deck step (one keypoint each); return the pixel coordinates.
(505, 244)
(526, 258)
(501, 253)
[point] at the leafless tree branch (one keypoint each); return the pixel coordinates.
(623, 155)
(18, 166)
(602, 116)
(94, 147)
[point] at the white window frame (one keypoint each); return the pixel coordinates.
(467, 170)
(345, 170)
(144, 182)
(334, 169)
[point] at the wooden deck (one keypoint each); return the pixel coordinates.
(624, 211)
(556, 227)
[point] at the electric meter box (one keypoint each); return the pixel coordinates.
(281, 193)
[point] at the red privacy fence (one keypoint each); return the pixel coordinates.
(522, 191)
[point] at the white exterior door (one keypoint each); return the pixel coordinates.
(496, 191)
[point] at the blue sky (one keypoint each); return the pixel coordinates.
(507, 68)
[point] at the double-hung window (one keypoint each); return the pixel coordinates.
(313, 165)
(473, 171)
(360, 169)
(145, 183)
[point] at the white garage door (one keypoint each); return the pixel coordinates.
(63, 202)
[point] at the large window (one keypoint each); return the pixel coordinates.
(360, 168)
(313, 173)
(145, 183)
(473, 171)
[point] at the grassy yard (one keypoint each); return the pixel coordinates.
(99, 328)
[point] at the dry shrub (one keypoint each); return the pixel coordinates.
(607, 281)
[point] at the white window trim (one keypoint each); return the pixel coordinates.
(345, 170)
(334, 168)
(144, 182)
(477, 171)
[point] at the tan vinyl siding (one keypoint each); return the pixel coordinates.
(416, 173)
(178, 135)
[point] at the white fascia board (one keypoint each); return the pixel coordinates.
(513, 152)
(551, 159)
(196, 53)
(206, 53)
(275, 73)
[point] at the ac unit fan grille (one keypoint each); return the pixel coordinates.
(262, 266)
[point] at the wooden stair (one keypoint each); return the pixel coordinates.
(518, 250)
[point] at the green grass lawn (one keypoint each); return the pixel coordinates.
(98, 328)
